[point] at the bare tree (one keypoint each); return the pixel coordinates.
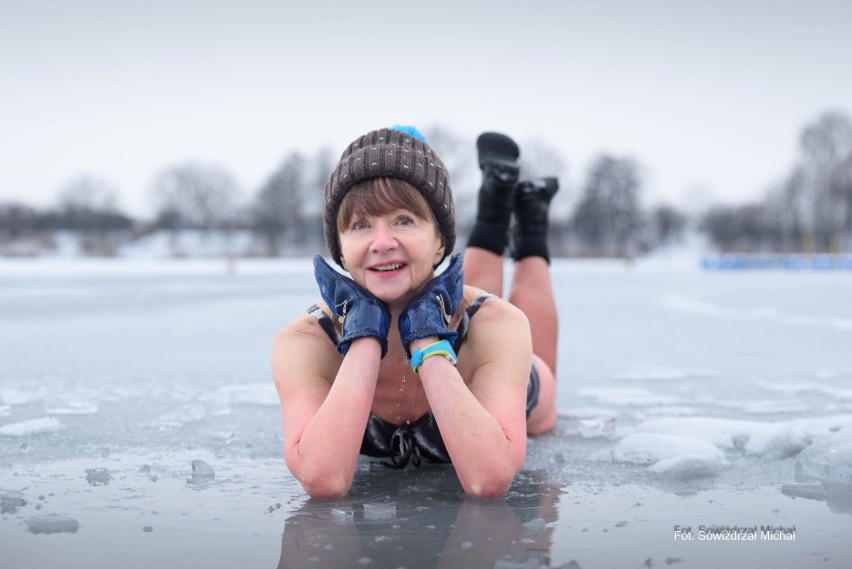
(459, 156)
(195, 195)
(89, 205)
(279, 205)
(826, 148)
(608, 218)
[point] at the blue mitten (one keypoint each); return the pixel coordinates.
(360, 313)
(429, 314)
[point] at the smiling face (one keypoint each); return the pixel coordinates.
(388, 239)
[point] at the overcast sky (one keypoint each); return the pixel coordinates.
(705, 94)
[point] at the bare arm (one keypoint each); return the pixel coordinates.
(484, 425)
(325, 404)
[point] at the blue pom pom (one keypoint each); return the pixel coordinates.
(410, 130)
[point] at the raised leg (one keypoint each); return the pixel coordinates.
(483, 262)
(532, 290)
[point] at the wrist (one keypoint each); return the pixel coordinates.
(441, 348)
(421, 343)
(366, 345)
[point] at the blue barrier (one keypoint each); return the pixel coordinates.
(789, 261)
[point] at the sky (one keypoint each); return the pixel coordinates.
(710, 97)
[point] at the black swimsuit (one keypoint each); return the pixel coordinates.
(421, 438)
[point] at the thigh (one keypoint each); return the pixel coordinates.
(543, 416)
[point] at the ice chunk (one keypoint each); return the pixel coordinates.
(52, 523)
(828, 460)
(807, 490)
(380, 511)
(342, 515)
(201, 471)
(528, 561)
(537, 524)
(782, 438)
(31, 427)
(678, 456)
(11, 500)
(56, 406)
(98, 476)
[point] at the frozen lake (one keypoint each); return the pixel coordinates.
(139, 427)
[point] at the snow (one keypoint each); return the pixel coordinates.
(31, 427)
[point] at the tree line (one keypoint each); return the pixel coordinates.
(810, 210)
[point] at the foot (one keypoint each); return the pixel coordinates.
(532, 200)
(498, 158)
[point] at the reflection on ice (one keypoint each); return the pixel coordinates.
(11, 501)
(52, 523)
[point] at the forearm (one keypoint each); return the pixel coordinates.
(324, 458)
(485, 456)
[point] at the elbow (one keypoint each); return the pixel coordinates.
(493, 482)
(488, 486)
(325, 484)
(325, 489)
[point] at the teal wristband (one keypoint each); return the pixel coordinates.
(442, 348)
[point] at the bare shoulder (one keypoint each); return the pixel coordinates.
(303, 350)
(494, 310)
(497, 331)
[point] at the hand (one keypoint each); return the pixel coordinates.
(360, 313)
(429, 314)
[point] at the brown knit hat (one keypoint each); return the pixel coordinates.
(396, 152)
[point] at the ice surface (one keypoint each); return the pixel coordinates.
(661, 373)
(628, 396)
(31, 427)
(52, 523)
(175, 356)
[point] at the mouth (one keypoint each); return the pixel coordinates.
(387, 267)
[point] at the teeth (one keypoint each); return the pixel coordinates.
(391, 267)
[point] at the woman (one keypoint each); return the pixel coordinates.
(400, 364)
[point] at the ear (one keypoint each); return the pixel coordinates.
(439, 254)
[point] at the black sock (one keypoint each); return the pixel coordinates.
(498, 155)
(532, 204)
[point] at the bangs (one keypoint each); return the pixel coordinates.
(380, 196)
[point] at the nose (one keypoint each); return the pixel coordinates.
(383, 238)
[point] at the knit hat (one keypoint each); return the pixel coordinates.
(396, 152)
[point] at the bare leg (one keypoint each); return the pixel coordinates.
(483, 260)
(532, 292)
(484, 269)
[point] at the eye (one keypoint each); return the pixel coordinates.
(358, 224)
(405, 220)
